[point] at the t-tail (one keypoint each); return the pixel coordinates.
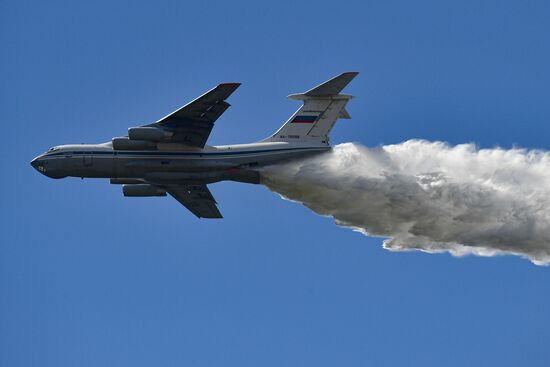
(323, 105)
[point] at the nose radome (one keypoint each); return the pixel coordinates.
(34, 162)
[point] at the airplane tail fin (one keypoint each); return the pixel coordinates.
(323, 105)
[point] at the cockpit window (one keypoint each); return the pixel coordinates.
(52, 149)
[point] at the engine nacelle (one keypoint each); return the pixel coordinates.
(127, 144)
(142, 190)
(148, 133)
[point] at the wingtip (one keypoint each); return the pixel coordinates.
(230, 83)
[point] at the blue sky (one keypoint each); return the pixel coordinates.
(90, 278)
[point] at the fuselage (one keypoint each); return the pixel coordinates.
(181, 165)
(170, 155)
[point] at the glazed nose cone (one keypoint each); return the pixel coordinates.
(35, 162)
(38, 164)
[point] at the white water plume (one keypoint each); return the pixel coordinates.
(429, 196)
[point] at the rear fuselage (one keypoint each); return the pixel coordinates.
(185, 165)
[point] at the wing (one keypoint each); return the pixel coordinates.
(196, 198)
(192, 123)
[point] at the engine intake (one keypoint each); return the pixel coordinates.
(142, 190)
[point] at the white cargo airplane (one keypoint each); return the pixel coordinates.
(171, 155)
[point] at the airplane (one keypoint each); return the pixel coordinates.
(170, 156)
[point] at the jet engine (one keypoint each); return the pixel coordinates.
(148, 133)
(142, 190)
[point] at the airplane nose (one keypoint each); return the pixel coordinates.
(38, 164)
(34, 163)
(45, 167)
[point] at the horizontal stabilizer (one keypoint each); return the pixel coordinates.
(333, 86)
